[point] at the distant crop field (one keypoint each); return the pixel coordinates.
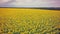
(29, 21)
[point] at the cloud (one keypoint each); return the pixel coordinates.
(4, 1)
(33, 3)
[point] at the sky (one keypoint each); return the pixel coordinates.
(29, 3)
